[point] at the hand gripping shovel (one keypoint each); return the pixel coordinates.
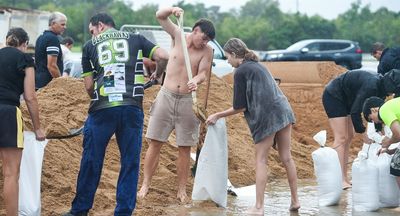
(203, 128)
(199, 112)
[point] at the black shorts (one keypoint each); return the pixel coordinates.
(11, 127)
(334, 107)
(395, 163)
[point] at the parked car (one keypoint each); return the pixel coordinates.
(343, 52)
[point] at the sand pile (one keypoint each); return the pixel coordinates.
(304, 72)
(64, 103)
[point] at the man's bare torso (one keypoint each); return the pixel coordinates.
(176, 75)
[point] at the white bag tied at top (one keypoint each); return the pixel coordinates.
(388, 189)
(212, 168)
(373, 148)
(328, 172)
(30, 175)
(365, 193)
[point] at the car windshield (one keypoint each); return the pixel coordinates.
(297, 46)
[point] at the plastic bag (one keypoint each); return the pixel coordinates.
(246, 192)
(365, 194)
(30, 175)
(388, 189)
(212, 168)
(328, 172)
(372, 149)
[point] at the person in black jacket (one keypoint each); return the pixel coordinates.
(389, 58)
(391, 82)
(343, 99)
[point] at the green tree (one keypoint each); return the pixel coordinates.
(260, 23)
(146, 15)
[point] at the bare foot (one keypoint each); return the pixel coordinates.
(294, 206)
(143, 191)
(255, 211)
(182, 196)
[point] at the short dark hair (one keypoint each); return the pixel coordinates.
(369, 103)
(16, 36)
(102, 17)
(377, 46)
(67, 40)
(206, 26)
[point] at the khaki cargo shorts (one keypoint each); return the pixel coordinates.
(173, 111)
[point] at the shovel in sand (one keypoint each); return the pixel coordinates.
(71, 133)
(200, 113)
(78, 131)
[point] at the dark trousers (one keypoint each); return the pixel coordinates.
(127, 124)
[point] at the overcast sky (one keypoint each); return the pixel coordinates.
(327, 9)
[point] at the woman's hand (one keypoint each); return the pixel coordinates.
(40, 136)
(212, 119)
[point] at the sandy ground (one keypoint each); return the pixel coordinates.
(63, 105)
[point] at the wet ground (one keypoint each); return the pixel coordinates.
(277, 200)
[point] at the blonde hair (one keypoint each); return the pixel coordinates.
(239, 48)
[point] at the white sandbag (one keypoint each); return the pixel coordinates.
(372, 153)
(246, 192)
(365, 195)
(212, 169)
(372, 134)
(372, 149)
(388, 131)
(30, 175)
(328, 172)
(388, 189)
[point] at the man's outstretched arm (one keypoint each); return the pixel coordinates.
(162, 16)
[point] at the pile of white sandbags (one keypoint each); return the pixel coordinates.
(372, 185)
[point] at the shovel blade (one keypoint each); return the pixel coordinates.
(71, 133)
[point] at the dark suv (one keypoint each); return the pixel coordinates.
(343, 52)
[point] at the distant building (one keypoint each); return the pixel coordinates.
(33, 21)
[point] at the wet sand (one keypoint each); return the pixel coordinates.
(63, 105)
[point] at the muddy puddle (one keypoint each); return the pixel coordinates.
(277, 201)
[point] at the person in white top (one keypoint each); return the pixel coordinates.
(66, 45)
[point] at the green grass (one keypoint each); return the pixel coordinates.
(76, 48)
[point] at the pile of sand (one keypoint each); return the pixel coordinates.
(64, 103)
(304, 72)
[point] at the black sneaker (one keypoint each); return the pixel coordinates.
(77, 214)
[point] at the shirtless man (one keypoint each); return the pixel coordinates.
(172, 108)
